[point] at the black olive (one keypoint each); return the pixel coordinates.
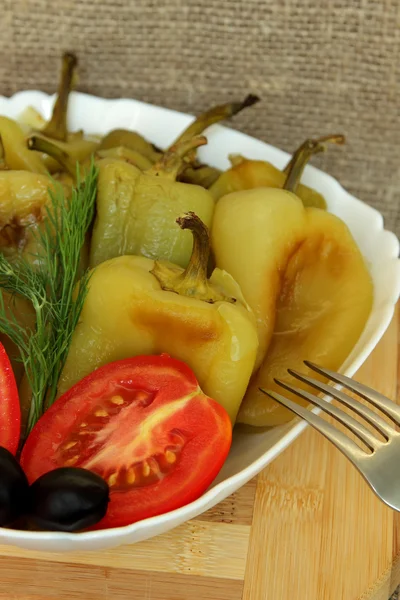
(14, 489)
(68, 499)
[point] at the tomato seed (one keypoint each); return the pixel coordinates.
(130, 476)
(170, 456)
(112, 480)
(101, 413)
(71, 461)
(117, 400)
(69, 445)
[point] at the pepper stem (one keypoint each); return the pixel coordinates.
(56, 128)
(171, 161)
(295, 167)
(193, 281)
(214, 115)
(41, 144)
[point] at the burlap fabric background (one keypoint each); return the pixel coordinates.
(320, 67)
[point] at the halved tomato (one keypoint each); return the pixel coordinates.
(10, 412)
(145, 426)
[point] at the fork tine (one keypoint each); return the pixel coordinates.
(337, 413)
(338, 438)
(388, 407)
(363, 411)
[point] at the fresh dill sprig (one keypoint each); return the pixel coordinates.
(50, 286)
(62, 239)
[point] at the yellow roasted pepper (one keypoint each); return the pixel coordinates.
(23, 200)
(246, 174)
(16, 153)
(137, 306)
(303, 275)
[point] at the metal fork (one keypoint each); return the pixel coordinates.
(381, 467)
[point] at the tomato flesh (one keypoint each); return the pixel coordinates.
(10, 412)
(145, 426)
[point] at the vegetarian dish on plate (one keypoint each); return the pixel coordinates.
(147, 301)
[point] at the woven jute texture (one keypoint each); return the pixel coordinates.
(320, 67)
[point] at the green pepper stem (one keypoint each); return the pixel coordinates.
(336, 138)
(295, 167)
(171, 161)
(56, 128)
(214, 115)
(193, 281)
(196, 271)
(41, 144)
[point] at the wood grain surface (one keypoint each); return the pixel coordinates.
(308, 528)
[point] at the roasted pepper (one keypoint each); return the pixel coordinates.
(24, 201)
(200, 174)
(57, 155)
(137, 212)
(137, 306)
(132, 141)
(190, 171)
(23, 198)
(31, 120)
(246, 174)
(3, 164)
(16, 153)
(303, 275)
(67, 155)
(132, 157)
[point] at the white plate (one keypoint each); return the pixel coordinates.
(250, 452)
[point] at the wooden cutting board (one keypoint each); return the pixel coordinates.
(308, 528)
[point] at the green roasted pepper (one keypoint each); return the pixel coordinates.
(190, 171)
(132, 141)
(128, 155)
(137, 212)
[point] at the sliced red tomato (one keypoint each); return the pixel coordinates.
(10, 412)
(145, 426)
